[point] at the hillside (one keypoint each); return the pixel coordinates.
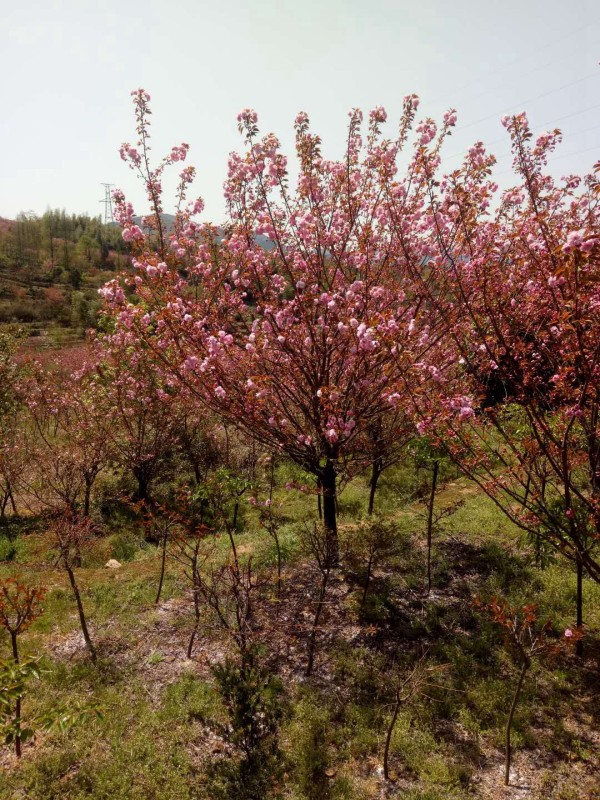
(50, 270)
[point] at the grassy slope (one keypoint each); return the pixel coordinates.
(160, 715)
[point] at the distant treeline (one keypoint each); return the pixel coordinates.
(52, 265)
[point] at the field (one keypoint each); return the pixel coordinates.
(148, 722)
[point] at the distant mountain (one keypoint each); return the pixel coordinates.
(169, 219)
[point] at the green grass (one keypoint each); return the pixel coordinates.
(162, 721)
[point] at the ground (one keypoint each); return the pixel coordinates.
(152, 721)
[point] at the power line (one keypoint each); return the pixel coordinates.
(542, 125)
(555, 158)
(511, 64)
(496, 114)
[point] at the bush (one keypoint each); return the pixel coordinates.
(9, 549)
(124, 546)
(252, 699)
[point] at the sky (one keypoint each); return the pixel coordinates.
(67, 69)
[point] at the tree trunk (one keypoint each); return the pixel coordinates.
(12, 499)
(375, 473)
(328, 481)
(515, 700)
(15, 649)
(278, 549)
(579, 643)
(82, 621)
(388, 740)
(196, 624)
(142, 493)
(434, 477)
(87, 497)
(367, 581)
(162, 566)
(319, 499)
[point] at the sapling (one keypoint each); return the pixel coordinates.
(373, 541)
(70, 534)
(270, 518)
(527, 639)
(435, 520)
(419, 678)
(318, 542)
(188, 547)
(20, 605)
(163, 524)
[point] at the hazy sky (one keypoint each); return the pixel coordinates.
(67, 70)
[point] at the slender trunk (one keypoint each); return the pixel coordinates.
(142, 493)
(328, 480)
(367, 580)
(233, 549)
(197, 474)
(511, 714)
(87, 497)
(15, 649)
(319, 499)
(434, 477)
(162, 565)
(196, 624)
(236, 509)
(579, 643)
(313, 633)
(388, 739)
(278, 549)
(12, 500)
(4, 504)
(375, 473)
(82, 621)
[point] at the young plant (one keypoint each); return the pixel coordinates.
(270, 518)
(70, 534)
(319, 544)
(163, 525)
(14, 679)
(252, 697)
(189, 548)
(527, 639)
(407, 688)
(20, 605)
(374, 541)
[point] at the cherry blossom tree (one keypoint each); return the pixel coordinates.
(293, 322)
(68, 440)
(518, 286)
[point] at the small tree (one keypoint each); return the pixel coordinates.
(270, 517)
(407, 687)
(527, 640)
(371, 543)
(70, 534)
(188, 546)
(518, 400)
(318, 543)
(20, 605)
